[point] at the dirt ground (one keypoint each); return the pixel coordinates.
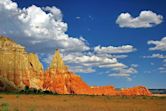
(17, 102)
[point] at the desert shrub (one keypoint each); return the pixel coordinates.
(144, 97)
(47, 92)
(5, 107)
(17, 95)
(26, 89)
(16, 109)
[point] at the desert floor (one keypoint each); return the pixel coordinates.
(22, 102)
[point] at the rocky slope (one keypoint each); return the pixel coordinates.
(19, 69)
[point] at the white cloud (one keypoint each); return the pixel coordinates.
(112, 49)
(159, 45)
(160, 56)
(8, 4)
(78, 17)
(145, 19)
(119, 74)
(124, 71)
(162, 69)
(35, 26)
(92, 60)
(134, 65)
(119, 56)
(82, 69)
(88, 62)
(42, 30)
(152, 63)
(57, 14)
(46, 58)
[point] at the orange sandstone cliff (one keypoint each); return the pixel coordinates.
(19, 69)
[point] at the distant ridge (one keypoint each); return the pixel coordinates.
(158, 91)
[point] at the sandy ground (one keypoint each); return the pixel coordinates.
(160, 95)
(15, 102)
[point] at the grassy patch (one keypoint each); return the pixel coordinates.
(46, 102)
(17, 96)
(31, 109)
(4, 107)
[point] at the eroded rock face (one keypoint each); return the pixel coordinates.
(19, 69)
(17, 66)
(60, 80)
(66, 84)
(6, 85)
(57, 63)
(138, 90)
(103, 90)
(36, 74)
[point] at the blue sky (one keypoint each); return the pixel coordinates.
(86, 24)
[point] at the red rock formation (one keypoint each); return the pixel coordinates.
(59, 79)
(103, 90)
(66, 84)
(138, 90)
(19, 69)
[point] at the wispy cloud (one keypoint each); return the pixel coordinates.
(162, 69)
(78, 17)
(159, 45)
(160, 56)
(112, 49)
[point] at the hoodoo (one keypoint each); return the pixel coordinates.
(19, 69)
(60, 80)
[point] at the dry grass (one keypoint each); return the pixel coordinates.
(159, 95)
(13, 102)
